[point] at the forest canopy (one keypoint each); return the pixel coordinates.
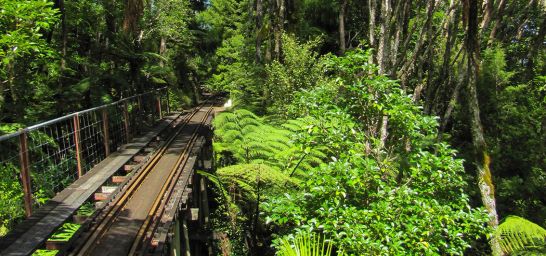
(375, 126)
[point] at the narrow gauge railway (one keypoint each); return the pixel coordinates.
(127, 224)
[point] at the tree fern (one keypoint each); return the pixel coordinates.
(518, 233)
(238, 185)
(243, 137)
(247, 176)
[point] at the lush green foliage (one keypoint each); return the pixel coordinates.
(377, 195)
(65, 232)
(242, 137)
(305, 244)
(518, 233)
(87, 209)
(327, 132)
(45, 252)
(388, 183)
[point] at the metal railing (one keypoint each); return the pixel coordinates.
(41, 160)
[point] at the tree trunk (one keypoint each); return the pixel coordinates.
(162, 49)
(498, 18)
(444, 78)
(483, 160)
(63, 34)
(131, 16)
(371, 29)
(259, 18)
(487, 13)
(383, 50)
(407, 68)
(401, 26)
(279, 27)
(342, 11)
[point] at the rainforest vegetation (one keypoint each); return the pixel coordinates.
(358, 127)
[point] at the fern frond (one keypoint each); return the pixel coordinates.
(218, 183)
(517, 233)
(305, 244)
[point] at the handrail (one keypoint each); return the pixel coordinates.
(39, 125)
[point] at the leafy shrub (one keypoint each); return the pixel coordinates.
(389, 190)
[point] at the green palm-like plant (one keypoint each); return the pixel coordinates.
(517, 233)
(305, 244)
(248, 139)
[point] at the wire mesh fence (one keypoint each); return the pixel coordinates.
(39, 161)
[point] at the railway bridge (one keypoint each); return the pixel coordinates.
(119, 179)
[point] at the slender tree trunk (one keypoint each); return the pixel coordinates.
(444, 78)
(342, 11)
(63, 34)
(453, 99)
(372, 15)
(162, 49)
(259, 20)
(409, 65)
(383, 134)
(401, 26)
(279, 27)
(383, 50)
(498, 19)
(483, 160)
(487, 14)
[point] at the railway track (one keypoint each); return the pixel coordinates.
(126, 225)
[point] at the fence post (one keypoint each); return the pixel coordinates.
(77, 143)
(126, 121)
(168, 106)
(159, 107)
(25, 172)
(105, 132)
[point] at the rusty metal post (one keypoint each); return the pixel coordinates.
(106, 133)
(159, 107)
(77, 143)
(126, 121)
(25, 172)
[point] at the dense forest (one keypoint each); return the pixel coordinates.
(358, 127)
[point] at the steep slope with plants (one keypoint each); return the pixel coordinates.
(383, 88)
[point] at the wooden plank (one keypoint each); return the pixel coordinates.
(118, 179)
(101, 196)
(35, 231)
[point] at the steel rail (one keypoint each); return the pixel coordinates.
(119, 202)
(169, 184)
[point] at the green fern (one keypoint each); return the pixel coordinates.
(305, 244)
(247, 176)
(243, 137)
(238, 185)
(517, 233)
(45, 252)
(65, 232)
